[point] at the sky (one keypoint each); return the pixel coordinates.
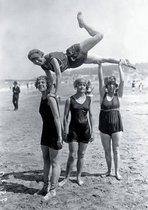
(51, 25)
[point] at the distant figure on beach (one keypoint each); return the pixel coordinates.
(110, 122)
(140, 86)
(75, 56)
(27, 84)
(133, 85)
(89, 89)
(51, 138)
(15, 97)
(79, 132)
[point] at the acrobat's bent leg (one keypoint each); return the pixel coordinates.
(96, 36)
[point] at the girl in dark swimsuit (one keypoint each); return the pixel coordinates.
(75, 56)
(80, 130)
(51, 138)
(110, 123)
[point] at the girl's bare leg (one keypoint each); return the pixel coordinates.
(73, 148)
(46, 170)
(115, 143)
(95, 60)
(106, 142)
(96, 36)
(81, 152)
(55, 162)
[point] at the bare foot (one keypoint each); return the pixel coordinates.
(80, 182)
(118, 176)
(63, 182)
(80, 19)
(106, 174)
(127, 63)
(50, 194)
(43, 191)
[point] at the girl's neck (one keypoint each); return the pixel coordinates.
(44, 94)
(110, 94)
(79, 95)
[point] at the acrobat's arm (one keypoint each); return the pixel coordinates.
(121, 84)
(57, 71)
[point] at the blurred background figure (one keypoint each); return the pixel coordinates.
(89, 89)
(140, 86)
(133, 85)
(27, 85)
(16, 92)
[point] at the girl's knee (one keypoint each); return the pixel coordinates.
(72, 156)
(55, 165)
(108, 153)
(46, 157)
(116, 150)
(81, 155)
(99, 36)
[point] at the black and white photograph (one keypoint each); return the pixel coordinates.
(73, 105)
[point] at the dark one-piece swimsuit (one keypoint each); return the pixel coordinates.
(79, 129)
(49, 135)
(73, 58)
(110, 119)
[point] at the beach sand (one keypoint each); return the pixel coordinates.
(21, 159)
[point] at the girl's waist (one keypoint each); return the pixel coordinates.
(109, 110)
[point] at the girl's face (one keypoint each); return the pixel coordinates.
(81, 87)
(39, 61)
(111, 87)
(42, 85)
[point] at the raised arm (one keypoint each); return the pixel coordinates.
(101, 80)
(49, 75)
(121, 76)
(57, 71)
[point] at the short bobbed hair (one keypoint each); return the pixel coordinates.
(80, 80)
(43, 77)
(110, 80)
(35, 53)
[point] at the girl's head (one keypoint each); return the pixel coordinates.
(110, 83)
(43, 83)
(36, 56)
(80, 84)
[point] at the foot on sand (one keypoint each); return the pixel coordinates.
(63, 182)
(118, 176)
(106, 174)
(80, 182)
(80, 19)
(50, 194)
(43, 191)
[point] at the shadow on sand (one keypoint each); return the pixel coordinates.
(10, 181)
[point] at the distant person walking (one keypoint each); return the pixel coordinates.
(75, 56)
(79, 132)
(15, 97)
(110, 122)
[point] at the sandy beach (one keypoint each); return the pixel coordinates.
(21, 159)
